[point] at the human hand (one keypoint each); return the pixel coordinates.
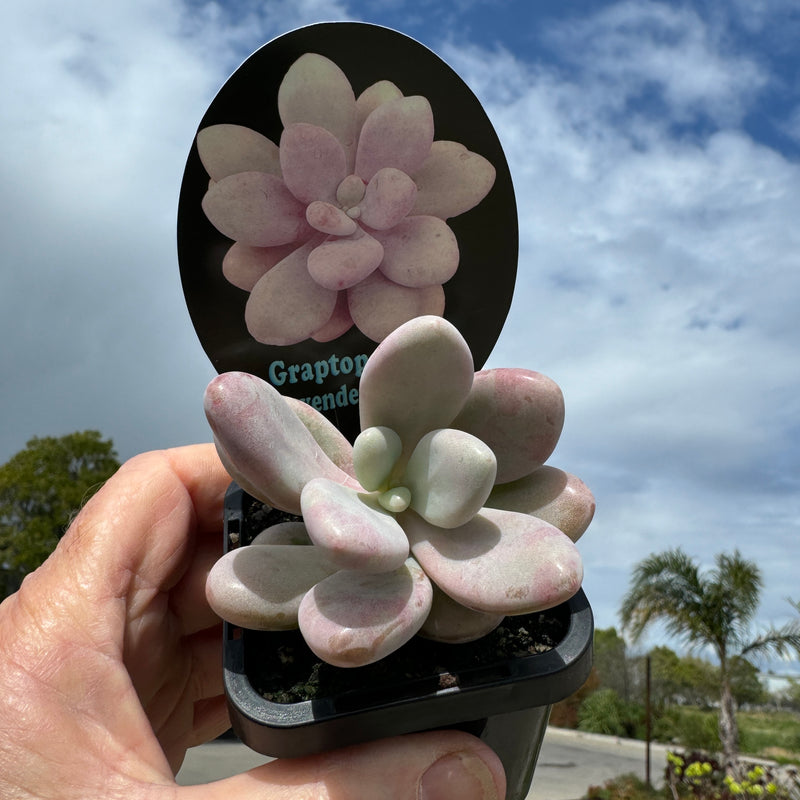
(110, 664)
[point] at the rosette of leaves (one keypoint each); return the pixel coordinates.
(343, 221)
(441, 519)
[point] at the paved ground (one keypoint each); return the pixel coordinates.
(569, 762)
(215, 760)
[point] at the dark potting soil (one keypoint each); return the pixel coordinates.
(282, 668)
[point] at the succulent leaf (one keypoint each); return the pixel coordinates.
(344, 261)
(261, 586)
(454, 623)
(375, 452)
(519, 414)
(450, 474)
(264, 445)
(396, 499)
(398, 134)
(388, 198)
(244, 266)
(287, 305)
(452, 180)
(418, 252)
(227, 149)
(379, 306)
(352, 528)
(288, 532)
(339, 323)
(256, 209)
(352, 619)
(501, 562)
(550, 494)
(373, 96)
(315, 90)
(417, 380)
(313, 162)
(332, 441)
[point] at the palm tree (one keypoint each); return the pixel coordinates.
(715, 609)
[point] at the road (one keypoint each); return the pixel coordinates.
(569, 762)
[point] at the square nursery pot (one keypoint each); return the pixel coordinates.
(283, 702)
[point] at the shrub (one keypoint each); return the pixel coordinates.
(625, 787)
(691, 728)
(564, 714)
(696, 774)
(605, 711)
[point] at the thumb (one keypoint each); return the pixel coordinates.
(439, 765)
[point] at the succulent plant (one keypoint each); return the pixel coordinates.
(344, 220)
(441, 519)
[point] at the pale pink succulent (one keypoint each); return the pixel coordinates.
(441, 518)
(343, 221)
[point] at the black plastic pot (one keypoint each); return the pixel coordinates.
(505, 701)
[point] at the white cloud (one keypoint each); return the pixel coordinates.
(657, 52)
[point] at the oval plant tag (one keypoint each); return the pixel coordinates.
(343, 181)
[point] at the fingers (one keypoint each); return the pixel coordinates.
(186, 706)
(210, 720)
(206, 480)
(188, 598)
(145, 520)
(440, 765)
(205, 648)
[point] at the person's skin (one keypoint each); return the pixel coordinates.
(110, 665)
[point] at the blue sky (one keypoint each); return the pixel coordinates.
(655, 152)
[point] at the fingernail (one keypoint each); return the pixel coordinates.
(458, 776)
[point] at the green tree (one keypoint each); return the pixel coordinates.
(791, 694)
(713, 609)
(611, 662)
(745, 683)
(41, 488)
(697, 680)
(667, 684)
